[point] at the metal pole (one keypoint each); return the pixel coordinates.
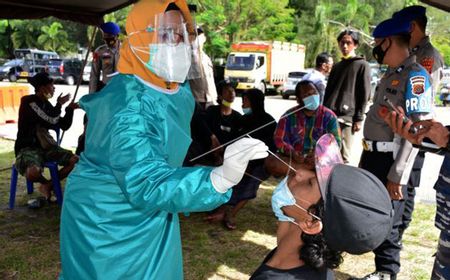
(80, 78)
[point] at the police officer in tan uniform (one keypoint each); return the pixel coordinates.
(104, 62)
(105, 57)
(433, 62)
(420, 44)
(204, 88)
(406, 84)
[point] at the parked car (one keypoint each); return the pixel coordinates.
(445, 75)
(34, 61)
(87, 72)
(291, 83)
(444, 93)
(374, 80)
(8, 70)
(67, 70)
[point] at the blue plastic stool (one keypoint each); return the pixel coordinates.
(53, 168)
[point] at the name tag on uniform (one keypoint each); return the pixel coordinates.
(391, 91)
(106, 60)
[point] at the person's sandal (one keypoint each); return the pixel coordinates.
(228, 221)
(36, 203)
(52, 199)
(46, 190)
(229, 224)
(215, 217)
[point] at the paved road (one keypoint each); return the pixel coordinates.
(275, 106)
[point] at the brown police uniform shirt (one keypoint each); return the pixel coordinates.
(430, 59)
(204, 88)
(104, 63)
(408, 86)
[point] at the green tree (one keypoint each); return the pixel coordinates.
(439, 31)
(53, 38)
(329, 19)
(411, 2)
(320, 21)
(26, 32)
(76, 34)
(442, 44)
(6, 44)
(118, 17)
(226, 22)
(314, 23)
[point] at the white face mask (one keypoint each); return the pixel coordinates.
(48, 95)
(171, 63)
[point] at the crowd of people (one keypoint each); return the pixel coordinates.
(162, 139)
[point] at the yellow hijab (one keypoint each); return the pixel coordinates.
(140, 17)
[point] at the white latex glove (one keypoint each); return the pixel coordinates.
(236, 158)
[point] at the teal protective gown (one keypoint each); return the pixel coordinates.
(121, 204)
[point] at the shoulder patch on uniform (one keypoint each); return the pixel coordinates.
(418, 95)
(417, 85)
(427, 63)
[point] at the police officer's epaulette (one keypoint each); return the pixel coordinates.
(104, 46)
(418, 67)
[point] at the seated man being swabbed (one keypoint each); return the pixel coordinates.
(34, 145)
(322, 213)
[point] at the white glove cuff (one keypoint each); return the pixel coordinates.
(218, 180)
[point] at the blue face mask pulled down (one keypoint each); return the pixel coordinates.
(312, 102)
(247, 111)
(281, 197)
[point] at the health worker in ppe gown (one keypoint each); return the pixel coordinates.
(120, 213)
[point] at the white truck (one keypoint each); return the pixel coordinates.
(263, 65)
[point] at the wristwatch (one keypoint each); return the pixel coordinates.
(429, 146)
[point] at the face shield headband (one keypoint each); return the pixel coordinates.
(172, 52)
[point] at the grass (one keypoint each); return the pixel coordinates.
(437, 100)
(30, 247)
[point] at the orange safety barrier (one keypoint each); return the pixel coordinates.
(2, 110)
(10, 97)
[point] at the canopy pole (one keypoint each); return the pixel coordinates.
(80, 78)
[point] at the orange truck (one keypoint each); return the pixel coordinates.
(263, 65)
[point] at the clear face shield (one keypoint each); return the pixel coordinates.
(172, 53)
(327, 155)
